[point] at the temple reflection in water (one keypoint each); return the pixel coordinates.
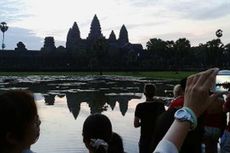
(97, 101)
(98, 92)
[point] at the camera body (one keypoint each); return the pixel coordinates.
(222, 82)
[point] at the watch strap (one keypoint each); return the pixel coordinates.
(194, 118)
(191, 117)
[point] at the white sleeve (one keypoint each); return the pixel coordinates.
(165, 146)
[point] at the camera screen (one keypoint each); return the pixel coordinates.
(222, 83)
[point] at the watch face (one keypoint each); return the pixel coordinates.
(182, 115)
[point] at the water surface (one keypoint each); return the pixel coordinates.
(64, 102)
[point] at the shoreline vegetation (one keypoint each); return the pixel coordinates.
(147, 74)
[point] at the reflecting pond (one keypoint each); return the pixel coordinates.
(64, 102)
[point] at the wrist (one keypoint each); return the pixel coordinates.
(186, 125)
(186, 114)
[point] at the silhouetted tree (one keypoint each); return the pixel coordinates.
(20, 46)
(219, 33)
(169, 54)
(214, 49)
(4, 28)
(157, 51)
(181, 48)
(226, 54)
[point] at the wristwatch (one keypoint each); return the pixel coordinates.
(186, 114)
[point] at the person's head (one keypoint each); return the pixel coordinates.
(177, 90)
(97, 127)
(19, 121)
(149, 90)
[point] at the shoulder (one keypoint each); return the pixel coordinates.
(141, 104)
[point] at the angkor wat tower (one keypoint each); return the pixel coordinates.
(74, 41)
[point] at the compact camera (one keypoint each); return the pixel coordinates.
(222, 84)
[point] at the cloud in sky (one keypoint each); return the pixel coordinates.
(196, 20)
(14, 35)
(201, 10)
(12, 10)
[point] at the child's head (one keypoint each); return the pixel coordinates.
(19, 120)
(177, 90)
(97, 127)
(149, 90)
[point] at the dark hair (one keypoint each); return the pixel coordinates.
(149, 90)
(183, 83)
(97, 126)
(17, 110)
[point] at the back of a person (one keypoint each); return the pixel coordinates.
(146, 114)
(149, 111)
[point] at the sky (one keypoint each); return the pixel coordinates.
(30, 21)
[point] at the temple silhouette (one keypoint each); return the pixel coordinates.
(94, 53)
(74, 41)
(97, 53)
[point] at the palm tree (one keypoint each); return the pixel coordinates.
(4, 28)
(219, 33)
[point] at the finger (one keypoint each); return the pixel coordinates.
(206, 78)
(191, 80)
(209, 82)
(203, 76)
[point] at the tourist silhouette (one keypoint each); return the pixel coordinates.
(19, 121)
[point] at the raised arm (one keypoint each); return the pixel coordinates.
(197, 99)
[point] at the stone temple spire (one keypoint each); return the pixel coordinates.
(95, 29)
(76, 31)
(112, 36)
(123, 36)
(73, 36)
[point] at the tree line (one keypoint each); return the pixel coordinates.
(158, 55)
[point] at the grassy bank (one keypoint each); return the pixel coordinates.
(152, 75)
(158, 74)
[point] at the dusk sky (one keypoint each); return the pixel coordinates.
(30, 21)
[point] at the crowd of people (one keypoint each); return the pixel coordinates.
(194, 120)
